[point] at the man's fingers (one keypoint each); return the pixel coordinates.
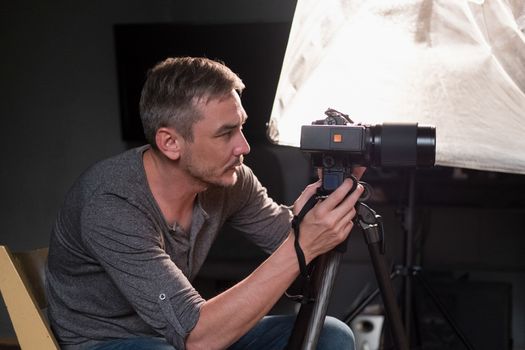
(337, 197)
(307, 193)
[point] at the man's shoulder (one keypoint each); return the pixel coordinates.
(119, 174)
(130, 159)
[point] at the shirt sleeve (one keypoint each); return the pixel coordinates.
(129, 246)
(264, 222)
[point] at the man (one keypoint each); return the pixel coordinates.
(135, 229)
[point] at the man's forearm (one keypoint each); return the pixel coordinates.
(226, 317)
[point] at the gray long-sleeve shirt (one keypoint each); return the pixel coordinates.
(116, 269)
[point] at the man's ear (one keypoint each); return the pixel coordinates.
(169, 142)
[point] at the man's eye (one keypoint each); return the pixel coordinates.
(227, 133)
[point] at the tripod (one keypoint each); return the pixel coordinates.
(310, 318)
(408, 272)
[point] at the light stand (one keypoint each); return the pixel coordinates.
(409, 222)
(409, 271)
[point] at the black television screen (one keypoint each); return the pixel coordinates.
(255, 51)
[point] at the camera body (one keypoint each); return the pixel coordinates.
(336, 145)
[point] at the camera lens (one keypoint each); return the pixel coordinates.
(403, 145)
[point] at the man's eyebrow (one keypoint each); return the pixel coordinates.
(225, 128)
(228, 127)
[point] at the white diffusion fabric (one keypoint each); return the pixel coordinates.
(458, 65)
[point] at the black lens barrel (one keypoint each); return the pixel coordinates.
(403, 145)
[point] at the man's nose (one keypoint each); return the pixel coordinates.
(243, 147)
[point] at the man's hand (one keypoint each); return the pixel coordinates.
(329, 222)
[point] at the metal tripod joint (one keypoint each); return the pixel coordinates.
(372, 225)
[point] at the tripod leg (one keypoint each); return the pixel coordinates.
(330, 263)
(310, 320)
(366, 301)
(387, 291)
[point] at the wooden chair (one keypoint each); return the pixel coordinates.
(22, 281)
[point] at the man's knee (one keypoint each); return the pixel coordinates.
(336, 335)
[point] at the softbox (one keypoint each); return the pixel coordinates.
(458, 65)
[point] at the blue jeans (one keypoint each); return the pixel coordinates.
(271, 333)
(139, 343)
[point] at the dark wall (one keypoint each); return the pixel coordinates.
(59, 104)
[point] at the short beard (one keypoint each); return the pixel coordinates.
(205, 177)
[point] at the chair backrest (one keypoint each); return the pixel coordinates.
(22, 286)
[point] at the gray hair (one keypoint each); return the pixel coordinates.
(173, 89)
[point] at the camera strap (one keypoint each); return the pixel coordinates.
(303, 268)
(305, 275)
(296, 222)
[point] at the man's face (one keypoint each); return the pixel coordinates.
(218, 143)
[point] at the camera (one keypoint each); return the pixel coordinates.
(337, 144)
